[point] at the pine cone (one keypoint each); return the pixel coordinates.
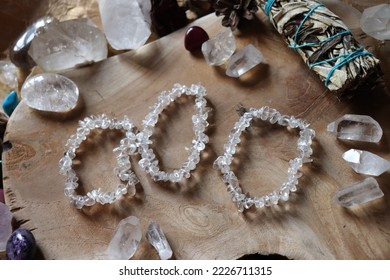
(234, 10)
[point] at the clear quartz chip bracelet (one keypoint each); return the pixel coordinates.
(122, 152)
(223, 162)
(149, 162)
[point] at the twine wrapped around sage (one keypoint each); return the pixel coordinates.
(321, 39)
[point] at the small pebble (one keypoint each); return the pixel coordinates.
(21, 245)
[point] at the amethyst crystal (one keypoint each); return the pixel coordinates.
(167, 16)
(21, 245)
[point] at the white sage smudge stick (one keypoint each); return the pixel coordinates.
(324, 43)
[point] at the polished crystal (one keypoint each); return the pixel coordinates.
(356, 127)
(5, 225)
(366, 163)
(68, 44)
(375, 21)
(358, 193)
(158, 240)
(126, 23)
(50, 92)
(218, 49)
(18, 53)
(125, 240)
(243, 61)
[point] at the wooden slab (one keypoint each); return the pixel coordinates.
(197, 215)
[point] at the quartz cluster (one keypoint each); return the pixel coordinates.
(125, 240)
(126, 23)
(50, 92)
(375, 21)
(67, 44)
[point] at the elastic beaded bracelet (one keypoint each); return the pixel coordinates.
(223, 163)
(127, 147)
(149, 162)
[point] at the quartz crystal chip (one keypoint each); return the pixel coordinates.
(50, 92)
(8, 74)
(5, 225)
(18, 53)
(125, 240)
(375, 21)
(358, 193)
(126, 23)
(356, 127)
(157, 238)
(68, 44)
(218, 49)
(243, 61)
(366, 163)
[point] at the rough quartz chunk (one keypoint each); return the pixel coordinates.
(125, 240)
(50, 92)
(68, 44)
(5, 225)
(375, 21)
(8, 74)
(157, 238)
(356, 127)
(243, 61)
(218, 49)
(358, 193)
(366, 163)
(126, 23)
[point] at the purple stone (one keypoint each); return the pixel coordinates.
(21, 245)
(194, 38)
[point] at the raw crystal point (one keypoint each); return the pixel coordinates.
(375, 21)
(5, 225)
(67, 44)
(358, 193)
(19, 51)
(125, 240)
(218, 49)
(50, 92)
(157, 238)
(366, 163)
(126, 23)
(243, 61)
(8, 74)
(356, 127)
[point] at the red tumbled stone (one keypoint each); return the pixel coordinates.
(194, 38)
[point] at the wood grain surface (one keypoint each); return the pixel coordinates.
(197, 215)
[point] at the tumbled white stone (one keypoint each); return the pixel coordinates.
(218, 49)
(50, 92)
(156, 237)
(126, 238)
(8, 74)
(5, 225)
(366, 163)
(68, 44)
(375, 21)
(356, 127)
(358, 193)
(243, 61)
(126, 23)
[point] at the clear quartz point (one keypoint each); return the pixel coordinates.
(125, 240)
(358, 193)
(218, 49)
(157, 238)
(243, 61)
(375, 21)
(356, 127)
(366, 163)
